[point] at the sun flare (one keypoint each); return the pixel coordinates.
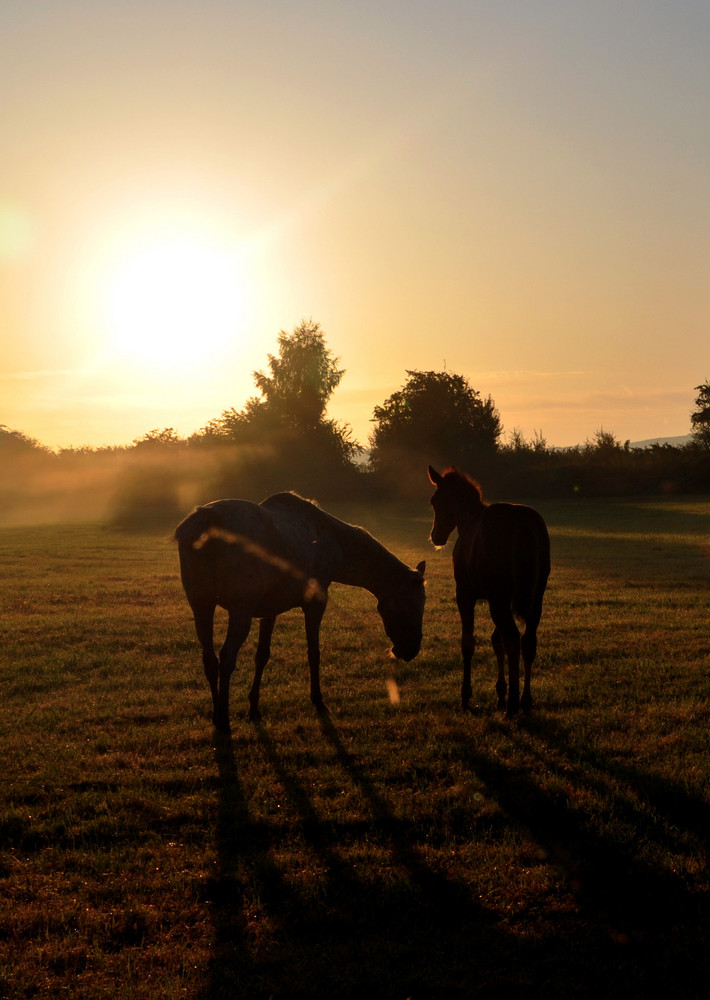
(173, 301)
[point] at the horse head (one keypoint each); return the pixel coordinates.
(402, 611)
(444, 511)
(457, 498)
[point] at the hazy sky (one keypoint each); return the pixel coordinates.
(515, 191)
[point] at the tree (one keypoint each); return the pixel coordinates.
(285, 439)
(158, 438)
(303, 377)
(700, 418)
(15, 444)
(437, 418)
(294, 397)
(606, 445)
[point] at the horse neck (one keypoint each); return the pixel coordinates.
(468, 514)
(366, 562)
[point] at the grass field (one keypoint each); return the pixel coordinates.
(387, 850)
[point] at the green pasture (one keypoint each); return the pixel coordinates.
(387, 850)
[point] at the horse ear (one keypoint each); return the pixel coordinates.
(434, 477)
(421, 567)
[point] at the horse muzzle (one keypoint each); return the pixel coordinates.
(406, 653)
(439, 538)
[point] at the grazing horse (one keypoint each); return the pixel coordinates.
(258, 560)
(501, 555)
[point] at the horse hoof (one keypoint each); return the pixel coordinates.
(254, 715)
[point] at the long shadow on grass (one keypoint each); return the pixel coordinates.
(248, 891)
(373, 920)
(654, 922)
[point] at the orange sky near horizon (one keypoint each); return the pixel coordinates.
(515, 192)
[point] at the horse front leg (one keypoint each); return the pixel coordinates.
(237, 631)
(466, 605)
(263, 654)
(313, 613)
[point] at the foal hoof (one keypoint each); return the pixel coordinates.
(512, 709)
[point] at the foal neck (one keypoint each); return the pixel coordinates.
(469, 506)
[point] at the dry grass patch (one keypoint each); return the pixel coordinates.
(388, 849)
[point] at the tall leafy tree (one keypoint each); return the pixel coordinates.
(301, 379)
(438, 418)
(286, 439)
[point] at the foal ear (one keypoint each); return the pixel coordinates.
(421, 567)
(434, 477)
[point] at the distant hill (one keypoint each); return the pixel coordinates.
(675, 441)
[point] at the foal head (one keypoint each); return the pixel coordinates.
(457, 498)
(402, 611)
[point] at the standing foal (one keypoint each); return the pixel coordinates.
(501, 555)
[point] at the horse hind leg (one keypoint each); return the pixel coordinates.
(263, 655)
(204, 627)
(499, 650)
(237, 631)
(528, 644)
(509, 639)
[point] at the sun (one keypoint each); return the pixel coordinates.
(173, 301)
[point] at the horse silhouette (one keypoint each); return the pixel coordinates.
(259, 560)
(501, 555)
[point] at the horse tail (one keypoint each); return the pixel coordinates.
(198, 568)
(195, 526)
(531, 570)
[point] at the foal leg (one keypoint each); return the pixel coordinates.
(499, 650)
(510, 639)
(528, 645)
(313, 613)
(466, 605)
(263, 653)
(237, 631)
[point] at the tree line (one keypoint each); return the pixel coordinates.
(282, 438)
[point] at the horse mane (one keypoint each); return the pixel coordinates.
(296, 500)
(464, 485)
(348, 535)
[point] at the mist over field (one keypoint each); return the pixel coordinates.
(111, 486)
(155, 486)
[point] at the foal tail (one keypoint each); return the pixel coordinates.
(531, 570)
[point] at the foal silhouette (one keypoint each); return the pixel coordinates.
(501, 555)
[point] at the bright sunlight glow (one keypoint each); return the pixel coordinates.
(173, 302)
